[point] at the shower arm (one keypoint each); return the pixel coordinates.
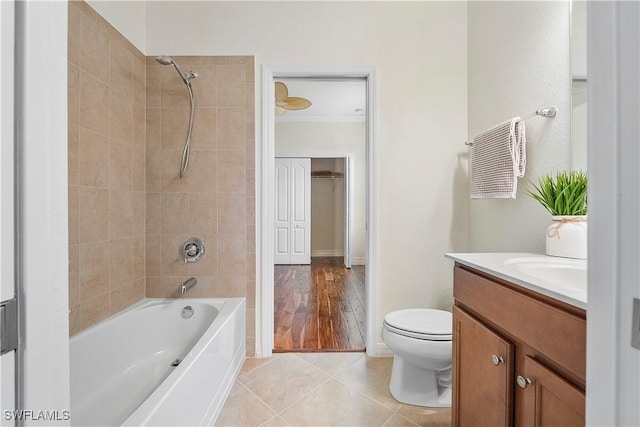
(187, 146)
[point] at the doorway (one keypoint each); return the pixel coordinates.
(367, 260)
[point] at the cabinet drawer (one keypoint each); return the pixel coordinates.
(556, 334)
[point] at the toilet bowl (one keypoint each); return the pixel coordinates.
(420, 339)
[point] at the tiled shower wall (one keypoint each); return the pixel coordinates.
(215, 201)
(107, 101)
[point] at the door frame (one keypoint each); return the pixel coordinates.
(265, 214)
(348, 193)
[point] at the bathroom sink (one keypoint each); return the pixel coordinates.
(567, 275)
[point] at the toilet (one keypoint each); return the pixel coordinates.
(420, 339)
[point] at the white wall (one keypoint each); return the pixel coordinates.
(331, 138)
(45, 282)
(518, 62)
(128, 17)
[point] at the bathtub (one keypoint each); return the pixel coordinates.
(151, 364)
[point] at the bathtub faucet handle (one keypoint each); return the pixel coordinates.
(188, 284)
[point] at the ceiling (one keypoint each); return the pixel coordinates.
(331, 100)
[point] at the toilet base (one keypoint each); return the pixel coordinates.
(417, 386)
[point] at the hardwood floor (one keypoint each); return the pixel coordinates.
(319, 307)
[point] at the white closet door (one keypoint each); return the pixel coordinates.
(283, 211)
(293, 211)
(301, 211)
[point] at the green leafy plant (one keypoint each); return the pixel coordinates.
(562, 194)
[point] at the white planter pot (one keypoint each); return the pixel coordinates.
(567, 237)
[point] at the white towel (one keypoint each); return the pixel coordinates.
(498, 159)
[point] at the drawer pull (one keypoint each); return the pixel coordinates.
(497, 360)
(523, 382)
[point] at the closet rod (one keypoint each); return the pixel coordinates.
(543, 112)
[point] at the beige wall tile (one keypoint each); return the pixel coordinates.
(85, 9)
(250, 73)
(251, 235)
(121, 263)
(204, 88)
(172, 261)
(232, 214)
(231, 128)
(153, 129)
(73, 35)
(250, 266)
(138, 258)
(124, 296)
(205, 131)
(107, 28)
(250, 182)
(94, 214)
(121, 116)
(139, 125)
(138, 177)
(203, 175)
(251, 322)
(205, 288)
(153, 255)
(74, 275)
(250, 150)
(174, 126)
(231, 171)
(94, 49)
(94, 310)
(153, 170)
(154, 213)
(231, 86)
(188, 60)
(93, 159)
(139, 75)
(216, 60)
(170, 173)
(173, 90)
(121, 68)
(203, 213)
(230, 287)
(251, 347)
(153, 88)
(94, 104)
(74, 215)
(251, 294)
(120, 166)
(94, 270)
(120, 213)
(73, 154)
(232, 256)
(139, 213)
(73, 94)
(175, 208)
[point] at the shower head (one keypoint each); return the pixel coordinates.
(186, 77)
(164, 60)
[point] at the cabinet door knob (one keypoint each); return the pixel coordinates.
(497, 360)
(523, 382)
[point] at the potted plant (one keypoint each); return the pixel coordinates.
(565, 197)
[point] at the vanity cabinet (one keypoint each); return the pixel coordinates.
(519, 357)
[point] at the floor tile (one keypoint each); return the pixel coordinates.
(282, 381)
(276, 421)
(243, 409)
(371, 375)
(331, 363)
(334, 404)
(251, 363)
(399, 421)
(432, 417)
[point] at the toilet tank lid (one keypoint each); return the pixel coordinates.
(421, 320)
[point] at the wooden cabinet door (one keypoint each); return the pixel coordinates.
(549, 400)
(482, 374)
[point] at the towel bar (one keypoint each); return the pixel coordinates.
(543, 112)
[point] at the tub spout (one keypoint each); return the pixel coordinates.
(188, 284)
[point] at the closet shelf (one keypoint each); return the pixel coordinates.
(327, 174)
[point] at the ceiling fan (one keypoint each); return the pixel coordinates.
(285, 102)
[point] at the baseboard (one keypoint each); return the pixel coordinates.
(330, 252)
(358, 261)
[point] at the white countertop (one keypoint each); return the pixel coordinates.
(563, 279)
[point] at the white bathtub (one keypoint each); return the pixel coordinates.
(122, 373)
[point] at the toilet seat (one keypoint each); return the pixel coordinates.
(420, 323)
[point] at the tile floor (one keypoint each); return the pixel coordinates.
(321, 389)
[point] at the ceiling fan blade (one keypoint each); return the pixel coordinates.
(280, 111)
(281, 91)
(295, 103)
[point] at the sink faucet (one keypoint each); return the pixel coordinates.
(188, 284)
